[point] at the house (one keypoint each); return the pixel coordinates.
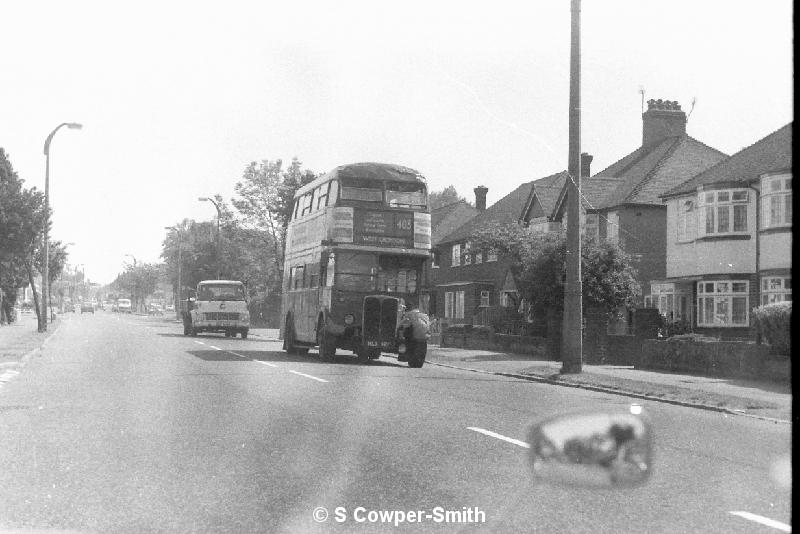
(622, 204)
(729, 240)
(476, 286)
(444, 220)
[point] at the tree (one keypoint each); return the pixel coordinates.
(446, 196)
(139, 281)
(538, 261)
(266, 199)
(22, 223)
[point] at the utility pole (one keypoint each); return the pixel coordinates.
(572, 329)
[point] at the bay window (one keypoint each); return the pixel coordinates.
(723, 303)
(776, 201)
(776, 289)
(724, 211)
(467, 253)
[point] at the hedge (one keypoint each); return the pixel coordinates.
(773, 324)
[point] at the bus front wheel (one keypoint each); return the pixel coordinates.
(417, 350)
(326, 344)
(289, 339)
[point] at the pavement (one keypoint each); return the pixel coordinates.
(761, 399)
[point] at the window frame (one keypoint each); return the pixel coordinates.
(455, 255)
(780, 293)
(491, 255)
(718, 206)
(783, 194)
(485, 296)
(467, 254)
(718, 296)
(686, 221)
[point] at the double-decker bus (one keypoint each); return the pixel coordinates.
(355, 249)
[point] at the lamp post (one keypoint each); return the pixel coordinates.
(219, 214)
(180, 261)
(46, 275)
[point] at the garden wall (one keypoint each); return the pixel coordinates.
(716, 358)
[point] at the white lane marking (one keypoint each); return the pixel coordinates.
(215, 348)
(199, 342)
(264, 363)
(783, 527)
(308, 376)
(499, 436)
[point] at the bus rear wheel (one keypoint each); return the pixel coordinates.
(326, 344)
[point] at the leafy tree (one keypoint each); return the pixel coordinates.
(22, 223)
(446, 196)
(538, 261)
(138, 280)
(265, 201)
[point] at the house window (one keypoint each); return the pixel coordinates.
(467, 254)
(456, 256)
(484, 299)
(435, 259)
(454, 305)
(776, 289)
(687, 222)
(478, 257)
(491, 255)
(508, 299)
(723, 303)
(673, 304)
(776, 201)
(297, 279)
(725, 211)
(592, 227)
(612, 227)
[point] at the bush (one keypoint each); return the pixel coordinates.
(773, 324)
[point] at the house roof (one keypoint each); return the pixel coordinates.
(772, 153)
(447, 218)
(595, 193)
(649, 171)
(545, 191)
(505, 210)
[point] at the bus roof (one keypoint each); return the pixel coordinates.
(369, 170)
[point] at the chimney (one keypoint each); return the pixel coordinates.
(480, 197)
(586, 164)
(662, 119)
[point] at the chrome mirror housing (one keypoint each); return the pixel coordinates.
(611, 450)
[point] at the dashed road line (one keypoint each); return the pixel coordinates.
(499, 436)
(199, 342)
(783, 527)
(308, 376)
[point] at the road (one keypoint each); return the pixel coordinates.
(125, 425)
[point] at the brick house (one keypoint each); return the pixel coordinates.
(444, 220)
(622, 204)
(729, 240)
(476, 286)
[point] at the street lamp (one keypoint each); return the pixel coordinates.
(46, 281)
(219, 214)
(180, 261)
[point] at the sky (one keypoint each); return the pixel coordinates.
(177, 98)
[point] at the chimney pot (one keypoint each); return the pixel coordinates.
(662, 119)
(480, 197)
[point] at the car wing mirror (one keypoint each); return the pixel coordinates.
(612, 450)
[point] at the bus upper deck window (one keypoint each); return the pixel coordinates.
(406, 194)
(322, 195)
(333, 193)
(362, 189)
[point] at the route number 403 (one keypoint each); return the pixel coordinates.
(403, 224)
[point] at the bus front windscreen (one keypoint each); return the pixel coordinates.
(381, 273)
(406, 195)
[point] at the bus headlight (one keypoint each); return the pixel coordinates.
(349, 319)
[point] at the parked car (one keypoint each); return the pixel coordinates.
(87, 307)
